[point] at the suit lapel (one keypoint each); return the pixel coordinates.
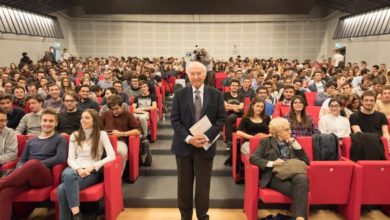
(206, 100)
(191, 106)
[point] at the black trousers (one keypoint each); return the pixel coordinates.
(297, 188)
(190, 168)
(229, 126)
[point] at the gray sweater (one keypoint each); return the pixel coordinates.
(30, 124)
(8, 145)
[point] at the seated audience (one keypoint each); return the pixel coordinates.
(301, 123)
(329, 93)
(367, 119)
(284, 102)
(55, 100)
(234, 105)
(107, 94)
(246, 89)
(274, 151)
(334, 122)
(8, 143)
(69, 120)
(254, 123)
(142, 106)
(318, 85)
(30, 124)
(383, 105)
(133, 90)
(34, 167)
(118, 86)
(14, 115)
(262, 93)
(107, 79)
(85, 159)
(364, 86)
(19, 99)
(85, 101)
(355, 104)
(120, 123)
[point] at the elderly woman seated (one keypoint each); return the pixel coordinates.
(275, 151)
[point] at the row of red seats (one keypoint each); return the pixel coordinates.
(110, 188)
(343, 183)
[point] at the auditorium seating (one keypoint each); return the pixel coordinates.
(375, 177)
(219, 78)
(133, 157)
(314, 112)
(22, 140)
(110, 188)
(236, 154)
(331, 182)
(159, 101)
(310, 98)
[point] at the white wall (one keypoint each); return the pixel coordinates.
(291, 39)
(12, 46)
(174, 35)
(374, 49)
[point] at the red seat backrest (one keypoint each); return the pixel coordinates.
(22, 140)
(314, 112)
(310, 98)
(307, 145)
(219, 78)
(285, 110)
(238, 121)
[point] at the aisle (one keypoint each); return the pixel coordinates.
(157, 185)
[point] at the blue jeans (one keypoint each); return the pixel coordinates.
(68, 190)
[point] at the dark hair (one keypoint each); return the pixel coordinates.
(50, 111)
(284, 89)
(234, 81)
(51, 85)
(306, 122)
(4, 95)
(261, 88)
(250, 112)
(116, 82)
(36, 97)
(95, 135)
(112, 90)
(95, 88)
(19, 87)
(330, 84)
(114, 100)
(367, 93)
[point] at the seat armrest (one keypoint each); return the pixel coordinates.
(57, 172)
(9, 165)
(113, 187)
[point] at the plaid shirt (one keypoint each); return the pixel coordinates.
(298, 130)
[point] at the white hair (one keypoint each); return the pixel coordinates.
(277, 124)
(196, 64)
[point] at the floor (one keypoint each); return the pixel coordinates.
(215, 214)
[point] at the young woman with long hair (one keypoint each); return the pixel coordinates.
(301, 123)
(86, 148)
(254, 123)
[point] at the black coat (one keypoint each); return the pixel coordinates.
(183, 117)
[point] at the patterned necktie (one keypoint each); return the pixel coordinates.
(198, 105)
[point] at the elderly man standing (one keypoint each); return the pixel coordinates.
(194, 156)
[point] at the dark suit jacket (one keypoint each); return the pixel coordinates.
(269, 151)
(183, 117)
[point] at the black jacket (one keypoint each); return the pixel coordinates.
(367, 146)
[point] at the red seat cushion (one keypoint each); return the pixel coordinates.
(92, 193)
(34, 195)
(272, 196)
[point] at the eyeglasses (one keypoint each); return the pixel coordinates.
(3, 120)
(334, 106)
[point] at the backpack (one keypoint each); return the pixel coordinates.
(325, 147)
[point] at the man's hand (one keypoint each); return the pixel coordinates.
(198, 140)
(278, 162)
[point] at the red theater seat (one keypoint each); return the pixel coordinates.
(22, 139)
(310, 98)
